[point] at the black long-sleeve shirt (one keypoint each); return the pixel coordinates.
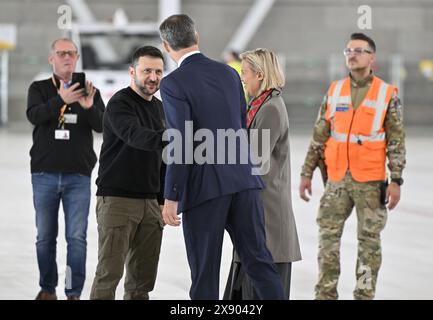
(75, 155)
(130, 163)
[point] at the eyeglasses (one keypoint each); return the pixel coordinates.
(63, 53)
(355, 51)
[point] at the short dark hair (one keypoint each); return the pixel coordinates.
(179, 31)
(362, 36)
(149, 51)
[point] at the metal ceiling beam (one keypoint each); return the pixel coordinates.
(249, 25)
(83, 14)
(168, 8)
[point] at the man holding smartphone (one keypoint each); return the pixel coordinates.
(62, 159)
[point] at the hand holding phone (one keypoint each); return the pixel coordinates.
(80, 78)
(71, 94)
(86, 101)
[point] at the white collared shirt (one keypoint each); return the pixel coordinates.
(186, 55)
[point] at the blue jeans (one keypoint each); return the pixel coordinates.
(74, 192)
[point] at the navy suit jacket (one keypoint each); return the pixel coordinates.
(211, 96)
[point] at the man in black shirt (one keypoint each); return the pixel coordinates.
(130, 182)
(62, 159)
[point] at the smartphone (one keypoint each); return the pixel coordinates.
(80, 77)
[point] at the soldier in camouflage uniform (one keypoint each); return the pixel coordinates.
(340, 197)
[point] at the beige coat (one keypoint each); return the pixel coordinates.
(281, 235)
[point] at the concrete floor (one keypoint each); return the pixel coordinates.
(407, 268)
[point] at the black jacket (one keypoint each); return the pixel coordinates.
(130, 163)
(75, 155)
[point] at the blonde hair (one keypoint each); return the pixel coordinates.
(265, 62)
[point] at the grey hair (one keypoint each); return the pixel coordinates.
(53, 45)
(179, 31)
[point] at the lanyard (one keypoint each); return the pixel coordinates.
(62, 110)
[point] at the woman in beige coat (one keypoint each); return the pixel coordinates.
(263, 80)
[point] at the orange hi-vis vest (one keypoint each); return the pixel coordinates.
(357, 140)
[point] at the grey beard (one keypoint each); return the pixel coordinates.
(143, 89)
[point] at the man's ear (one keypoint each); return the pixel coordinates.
(50, 59)
(166, 46)
(132, 72)
(373, 58)
(197, 37)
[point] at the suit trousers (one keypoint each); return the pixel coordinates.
(242, 215)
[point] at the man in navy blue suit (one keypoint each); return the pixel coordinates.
(214, 195)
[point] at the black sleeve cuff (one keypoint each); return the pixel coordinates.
(160, 199)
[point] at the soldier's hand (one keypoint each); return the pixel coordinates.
(305, 185)
(392, 195)
(70, 95)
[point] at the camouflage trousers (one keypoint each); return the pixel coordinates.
(336, 206)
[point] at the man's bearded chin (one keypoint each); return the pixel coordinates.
(143, 88)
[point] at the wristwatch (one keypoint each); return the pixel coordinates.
(399, 181)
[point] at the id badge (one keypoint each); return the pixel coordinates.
(342, 108)
(70, 118)
(61, 134)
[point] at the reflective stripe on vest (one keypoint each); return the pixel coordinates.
(342, 99)
(336, 97)
(356, 138)
(357, 142)
(380, 106)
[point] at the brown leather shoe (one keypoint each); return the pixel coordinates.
(73, 298)
(43, 295)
